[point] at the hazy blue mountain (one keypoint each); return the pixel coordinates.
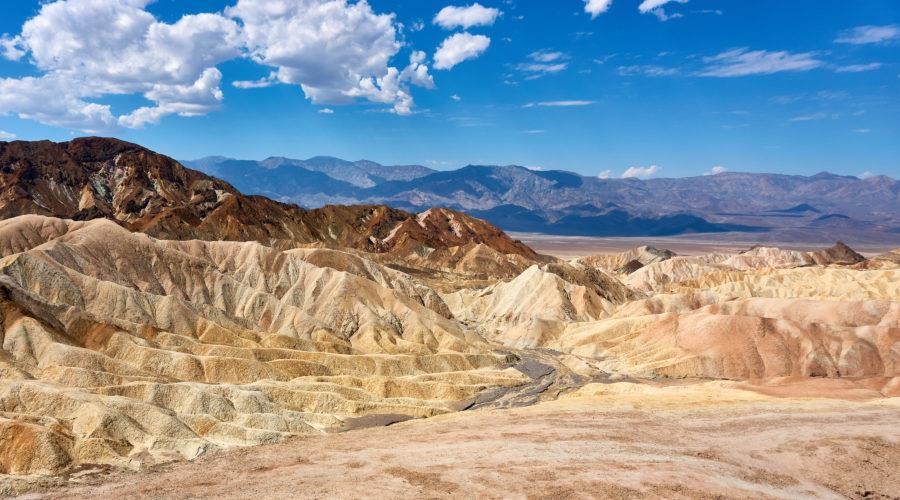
(559, 202)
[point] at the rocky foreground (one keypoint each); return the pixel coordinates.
(151, 315)
(621, 440)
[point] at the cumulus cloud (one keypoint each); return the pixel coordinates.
(640, 172)
(606, 174)
(864, 35)
(83, 50)
(10, 48)
(335, 51)
(451, 17)
(458, 48)
(558, 104)
(90, 48)
(7, 136)
(596, 7)
(456, 97)
(743, 62)
(718, 169)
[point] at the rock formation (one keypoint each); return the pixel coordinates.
(149, 312)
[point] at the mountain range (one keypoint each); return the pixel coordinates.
(771, 206)
(144, 191)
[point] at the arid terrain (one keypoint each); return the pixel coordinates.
(166, 336)
(569, 247)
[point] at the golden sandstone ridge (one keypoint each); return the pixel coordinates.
(149, 313)
(118, 348)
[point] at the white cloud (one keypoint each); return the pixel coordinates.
(326, 111)
(650, 5)
(10, 47)
(335, 51)
(596, 7)
(543, 62)
(663, 16)
(640, 172)
(184, 100)
(262, 83)
(451, 17)
(862, 35)
(812, 117)
(456, 98)
(606, 174)
(718, 169)
(53, 101)
(655, 7)
(867, 175)
(743, 62)
(7, 136)
(546, 56)
(417, 25)
(862, 130)
(534, 131)
(458, 48)
(858, 68)
(558, 104)
(646, 70)
(86, 49)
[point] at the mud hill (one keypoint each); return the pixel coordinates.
(150, 313)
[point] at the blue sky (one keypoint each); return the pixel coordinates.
(595, 87)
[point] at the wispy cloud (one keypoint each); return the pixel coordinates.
(542, 63)
(326, 111)
(606, 174)
(646, 70)
(744, 62)
(558, 104)
(456, 97)
(641, 172)
(858, 68)
(814, 116)
(864, 35)
(7, 136)
(862, 130)
(534, 131)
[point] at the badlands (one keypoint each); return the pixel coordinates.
(156, 324)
